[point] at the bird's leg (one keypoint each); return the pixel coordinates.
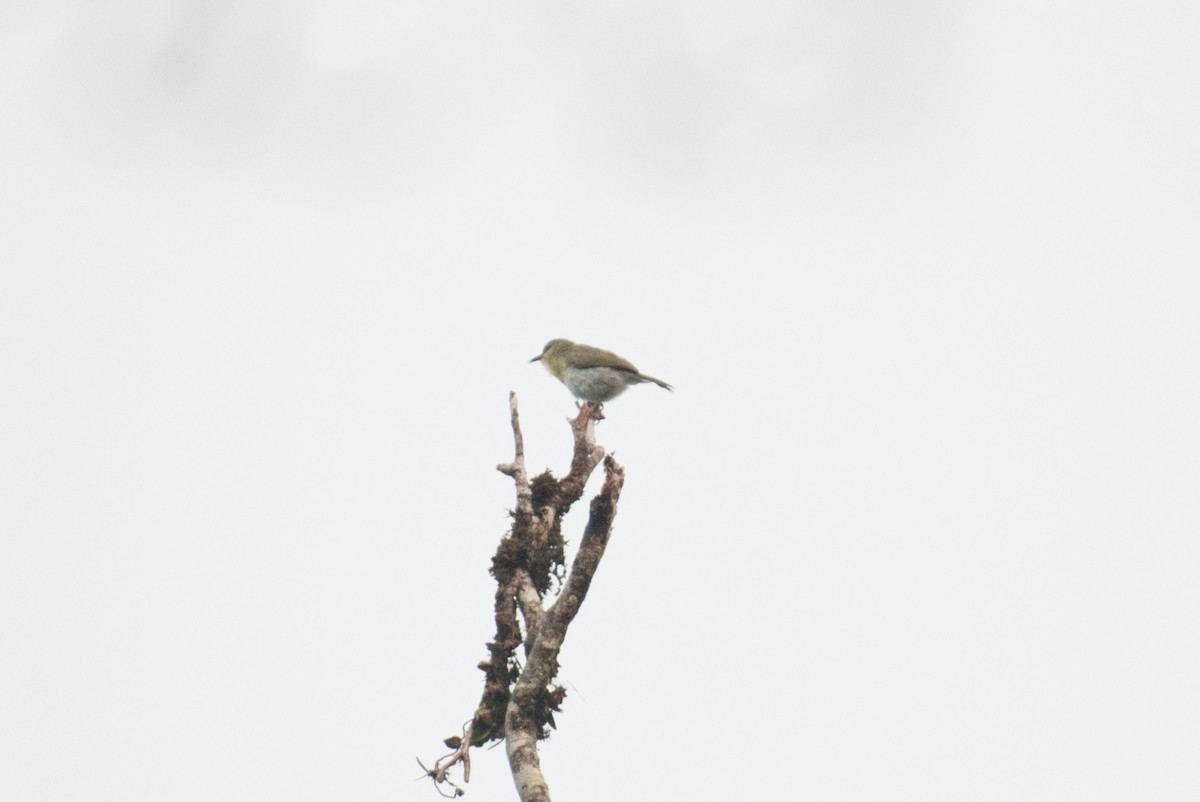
(589, 409)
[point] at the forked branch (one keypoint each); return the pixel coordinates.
(518, 703)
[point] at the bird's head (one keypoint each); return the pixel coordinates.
(554, 357)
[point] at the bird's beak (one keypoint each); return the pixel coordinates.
(537, 358)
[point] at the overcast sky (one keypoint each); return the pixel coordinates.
(918, 523)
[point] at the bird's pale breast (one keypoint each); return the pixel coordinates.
(596, 384)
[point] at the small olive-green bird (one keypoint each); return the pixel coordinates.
(591, 374)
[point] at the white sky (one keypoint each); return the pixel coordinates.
(919, 522)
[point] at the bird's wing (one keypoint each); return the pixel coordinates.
(587, 356)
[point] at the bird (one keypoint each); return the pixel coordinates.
(591, 374)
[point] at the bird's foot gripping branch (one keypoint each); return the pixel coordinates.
(591, 409)
(519, 701)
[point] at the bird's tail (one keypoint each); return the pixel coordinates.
(659, 382)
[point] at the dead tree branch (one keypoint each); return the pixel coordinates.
(518, 703)
(532, 699)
